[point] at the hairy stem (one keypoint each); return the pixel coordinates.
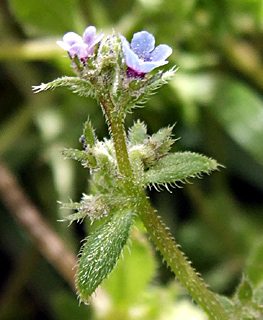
(178, 262)
(158, 232)
(116, 126)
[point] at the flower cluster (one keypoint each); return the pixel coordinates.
(140, 55)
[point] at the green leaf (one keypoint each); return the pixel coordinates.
(53, 16)
(177, 167)
(128, 281)
(101, 252)
(77, 85)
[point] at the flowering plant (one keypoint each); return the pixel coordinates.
(119, 75)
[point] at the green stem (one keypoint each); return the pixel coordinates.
(158, 232)
(178, 262)
(116, 124)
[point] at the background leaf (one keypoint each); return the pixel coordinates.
(240, 112)
(254, 267)
(51, 16)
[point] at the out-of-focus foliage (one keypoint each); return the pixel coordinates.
(216, 101)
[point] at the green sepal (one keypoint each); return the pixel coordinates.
(178, 167)
(159, 143)
(145, 88)
(101, 251)
(94, 207)
(89, 134)
(77, 64)
(80, 86)
(244, 292)
(137, 133)
(78, 216)
(149, 149)
(85, 157)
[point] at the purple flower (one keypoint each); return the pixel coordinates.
(82, 47)
(140, 56)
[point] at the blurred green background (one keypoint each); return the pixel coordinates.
(216, 101)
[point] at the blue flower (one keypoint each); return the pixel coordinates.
(82, 47)
(140, 56)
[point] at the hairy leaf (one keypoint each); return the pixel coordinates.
(77, 85)
(101, 251)
(177, 167)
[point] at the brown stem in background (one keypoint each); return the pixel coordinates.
(27, 215)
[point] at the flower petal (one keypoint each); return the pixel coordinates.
(64, 45)
(72, 38)
(81, 50)
(142, 43)
(89, 35)
(131, 59)
(146, 67)
(161, 52)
